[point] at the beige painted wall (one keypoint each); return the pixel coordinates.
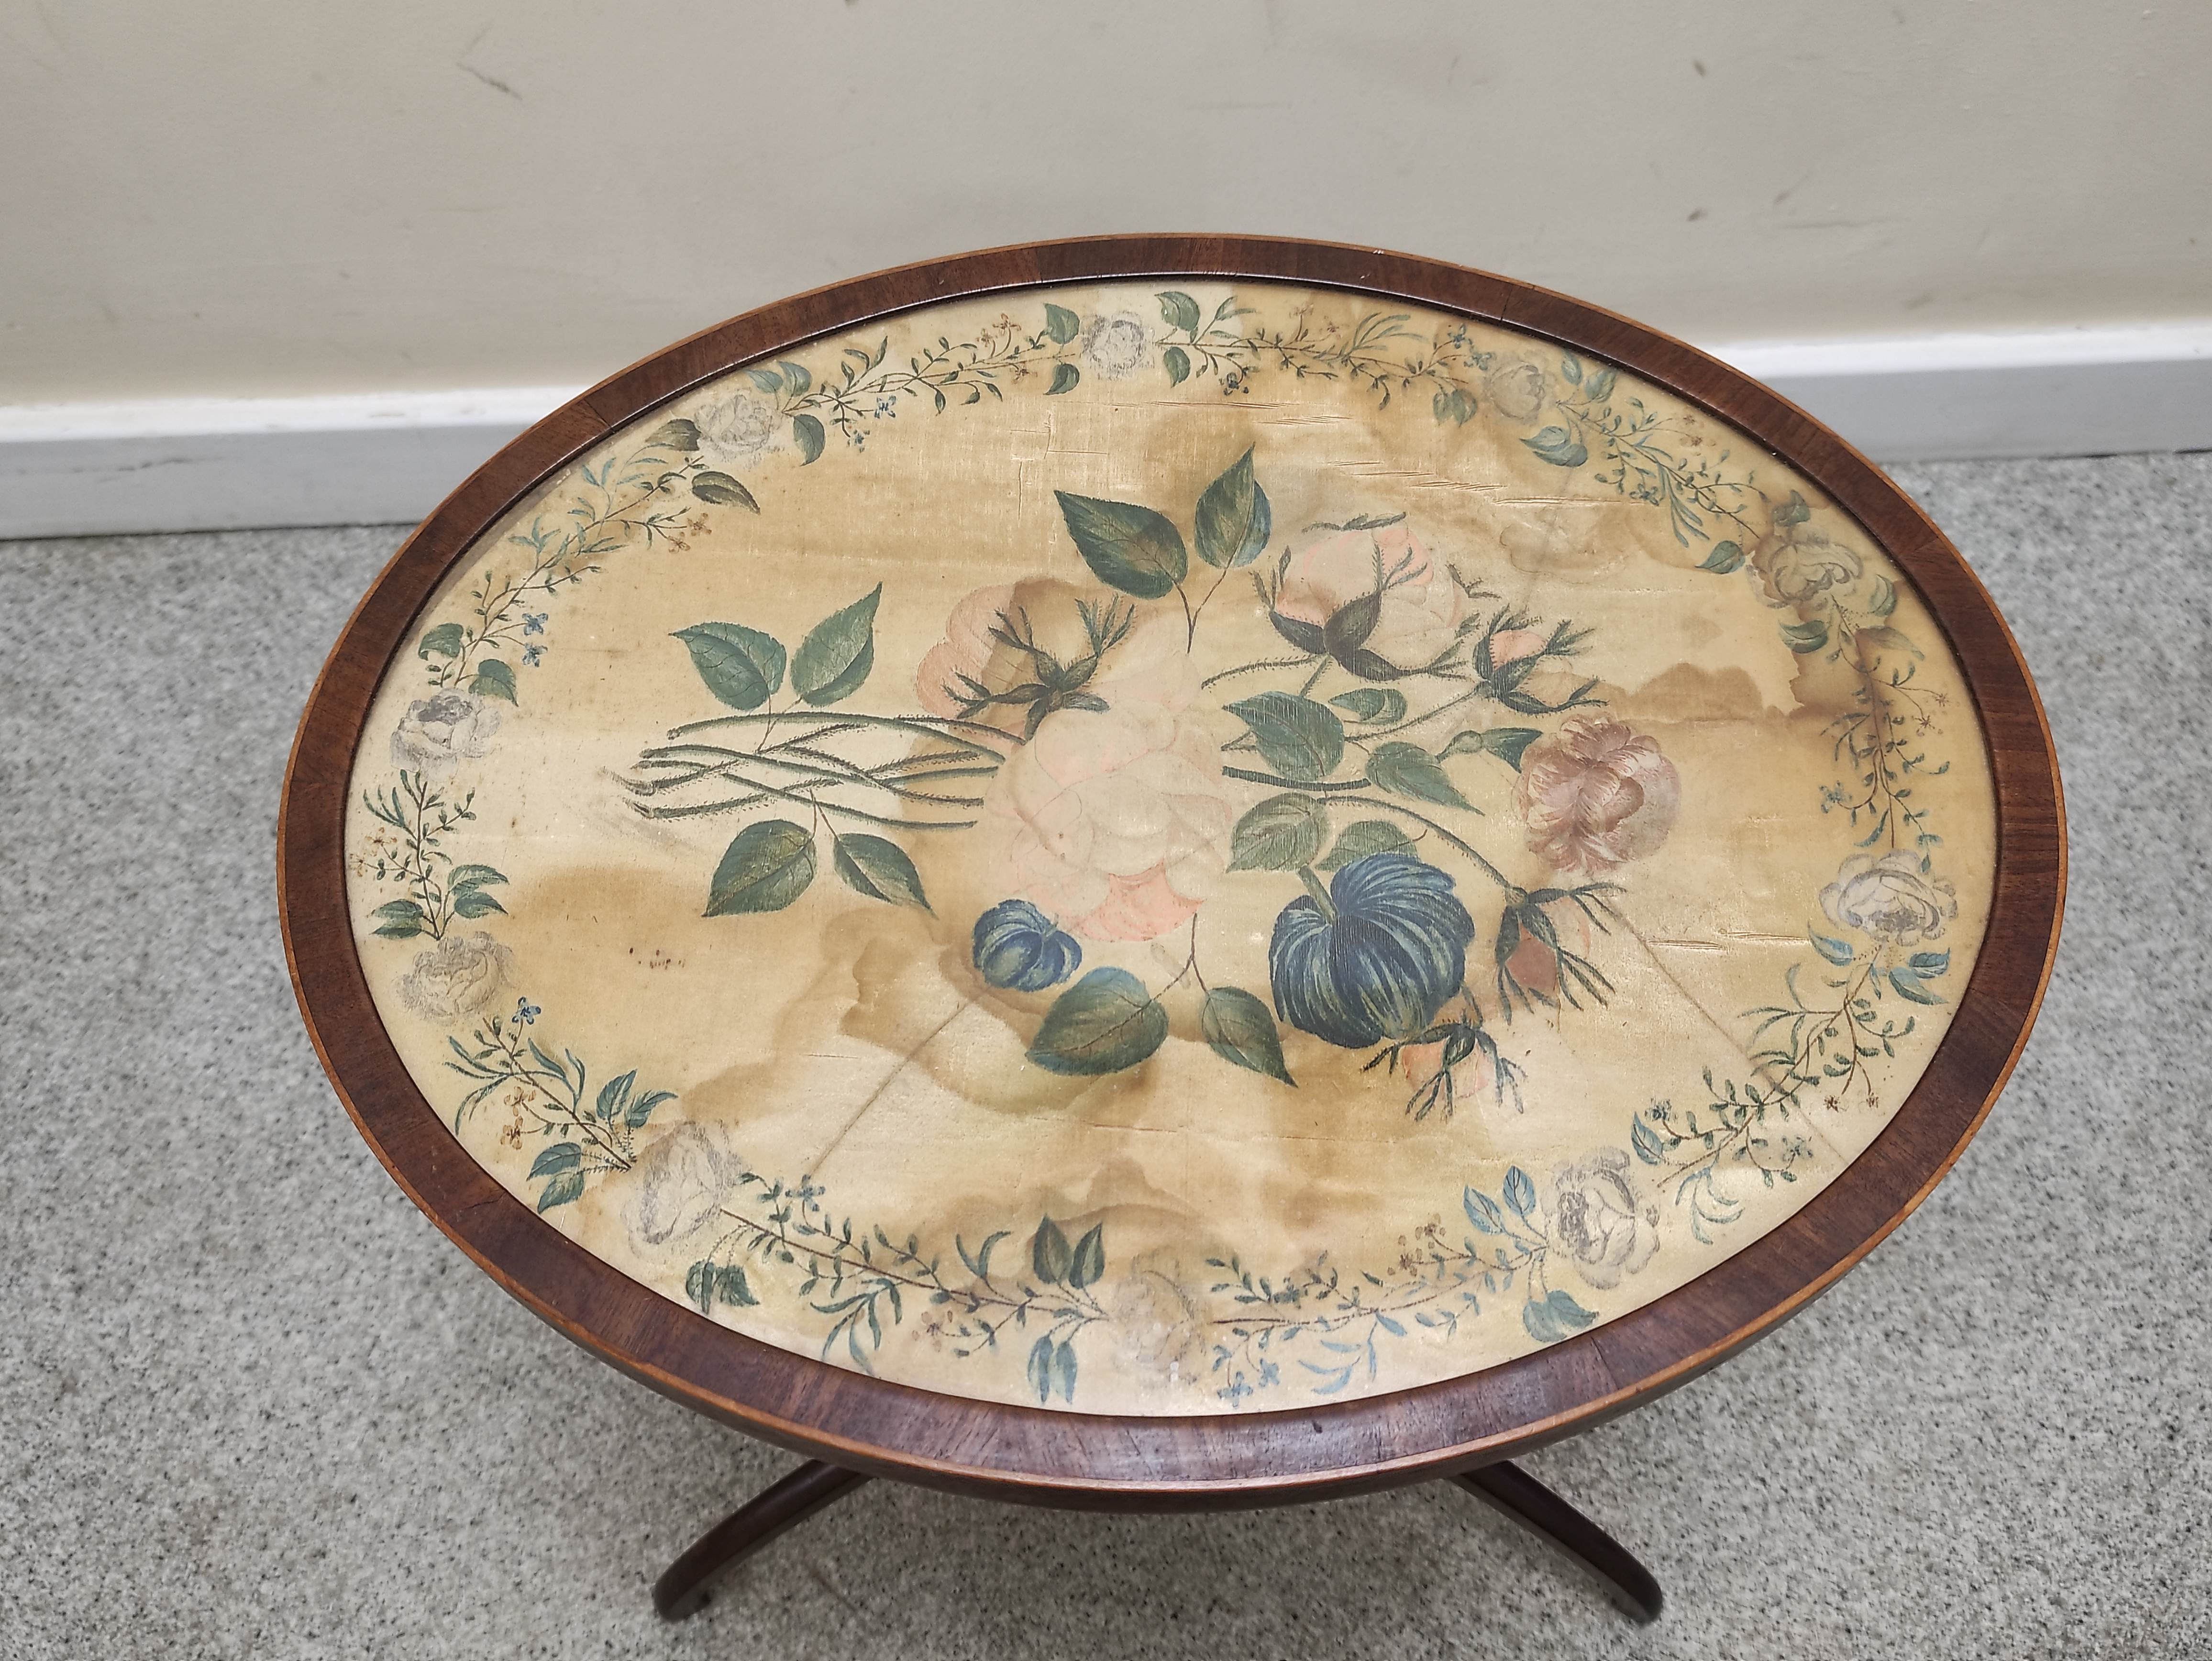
(269, 197)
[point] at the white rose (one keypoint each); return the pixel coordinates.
(1116, 347)
(1889, 899)
(1604, 1224)
(457, 977)
(736, 431)
(437, 733)
(682, 1180)
(1160, 1328)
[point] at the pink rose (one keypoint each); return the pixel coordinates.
(1417, 605)
(1595, 795)
(1115, 820)
(1511, 645)
(964, 654)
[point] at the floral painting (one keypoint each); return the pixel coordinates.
(1167, 851)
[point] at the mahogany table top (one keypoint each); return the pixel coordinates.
(1161, 870)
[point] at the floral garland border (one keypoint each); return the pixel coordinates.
(1326, 1320)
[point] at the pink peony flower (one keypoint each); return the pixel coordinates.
(1596, 794)
(1115, 820)
(1420, 606)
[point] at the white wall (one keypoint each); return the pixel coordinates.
(262, 198)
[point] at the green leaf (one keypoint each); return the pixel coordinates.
(1063, 1369)
(1804, 638)
(1365, 836)
(1726, 556)
(1301, 739)
(767, 379)
(641, 1109)
(1482, 1210)
(1508, 744)
(1558, 447)
(1520, 1192)
(797, 376)
(1065, 377)
(742, 667)
(1039, 1368)
(1239, 1028)
(444, 641)
(1793, 512)
(472, 903)
(1908, 985)
(614, 1094)
(1127, 547)
(1407, 769)
(835, 658)
(1649, 1148)
(562, 1156)
(877, 868)
(767, 867)
(1103, 1023)
(1888, 639)
(807, 431)
(1552, 1318)
(402, 920)
(493, 679)
(978, 1261)
(1453, 406)
(1179, 311)
(678, 435)
(1835, 951)
(559, 1190)
(1088, 1261)
(474, 876)
(1930, 963)
(1372, 703)
(1060, 325)
(722, 490)
(1571, 368)
(1049, 1253)
(1281, 834)
(730, 1285)
(699, 1284)
(1234, 519)
(1882, 600)
(1176, 361)
(1597, 385)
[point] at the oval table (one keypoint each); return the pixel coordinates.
(1171, 873)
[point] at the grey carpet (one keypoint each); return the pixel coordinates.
(253, 1403)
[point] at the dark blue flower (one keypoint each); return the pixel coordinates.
(1374, 959)
(1016, 946)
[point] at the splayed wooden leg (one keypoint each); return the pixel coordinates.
(1507, 1488)
(785, 1504)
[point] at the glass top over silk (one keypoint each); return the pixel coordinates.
(1169, 852)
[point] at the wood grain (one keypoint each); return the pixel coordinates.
(1160, 1463)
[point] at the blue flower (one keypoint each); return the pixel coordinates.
(1017, 947)
(533, 623)
(1375, 957)
(526, 1012)
(532, 653)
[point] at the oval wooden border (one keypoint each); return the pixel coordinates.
(1130, 1462)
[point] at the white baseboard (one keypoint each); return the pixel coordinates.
(220, 464)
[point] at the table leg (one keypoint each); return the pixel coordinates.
(1507, 1488)
(783, 1506)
